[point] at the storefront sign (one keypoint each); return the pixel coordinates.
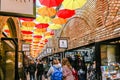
(63, 43)
(19, 8)
(25, 47)
(49, 50)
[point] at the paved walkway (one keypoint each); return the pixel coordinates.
(43, 78)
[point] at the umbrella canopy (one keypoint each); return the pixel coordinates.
(43, 19)
(65, 13)
(28, 24)
(73, 4)
(46, 11)
(27, 28)
(42, 25)
(51, 3)
(59, 21)
(26, 36)
(55, 26)
(27, 32)
(37, 36)
(27, 19)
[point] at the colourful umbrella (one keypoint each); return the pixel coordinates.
(26, 36)
(45, 11)
(42, 25)
(27, 32)
(28, 24)
(28, 40)
(37, 36)
(73, 4)
(27, 19)
(39, 31)
(55, 26)
(43, 19)
(65, 13)
(27, 28)
(51, 3)
(48, 35)
(59, 21)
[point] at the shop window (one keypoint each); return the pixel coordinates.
(110, 61)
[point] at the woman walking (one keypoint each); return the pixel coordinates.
(67, 70)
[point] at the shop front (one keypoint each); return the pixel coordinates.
(109, 52)
(10, 57)
(83, 57)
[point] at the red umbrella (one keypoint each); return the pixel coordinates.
(65, 13)
(28, 40)
(37, 36)
(27, 32)
(26, 19)
(51, 3)
(42, 25)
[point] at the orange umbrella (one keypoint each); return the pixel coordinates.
(40, 31)
(48, 35)
(45, 11)
(26, 36)
(28, 24)
(59, 21)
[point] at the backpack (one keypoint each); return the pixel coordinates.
(57, 74)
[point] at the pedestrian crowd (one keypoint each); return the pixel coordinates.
(59, 70)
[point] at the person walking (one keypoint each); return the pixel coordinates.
(55, 71)
(31, 70)
(46, 68)
(67, 70)
(40, 70)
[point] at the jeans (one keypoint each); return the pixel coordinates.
(32, 76)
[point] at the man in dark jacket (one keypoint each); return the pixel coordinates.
(32, 69)
(40, 70)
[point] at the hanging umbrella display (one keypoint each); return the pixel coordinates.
(37, 36)
(26, 36)
(27, 28)
(27, 19)
(51, 3)
(40, 31)
(43, 19)
(59, 21)
(7, 31)
(28, 40)
(46, 11)
(27, 32)
(73, 4)
(55, 26)
(42, 25)
(28, 24)
(65, 13)
(48, 35)
(36, 40)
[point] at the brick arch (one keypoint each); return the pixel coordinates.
(11, 25)
(101, 12)
(75, 23)
(76, 28)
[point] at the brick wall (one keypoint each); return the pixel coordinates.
(98, 20)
